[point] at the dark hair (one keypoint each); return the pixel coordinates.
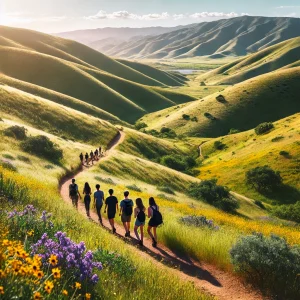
(111, 191)
(152, 202)
(139, 204)
(73, 180)
(87, 188)
(97, 186)
(126, 193)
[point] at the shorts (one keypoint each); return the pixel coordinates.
(125, 218)
(138, 223)
(152, 223)
(111, 214)
(74, 200)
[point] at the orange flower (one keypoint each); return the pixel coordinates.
(1, 290)
(37, 296)
(65, 292)
(39, 274)
(88, 296)
(56, 273)
(53, 260)
(49, 286)
(77, 285)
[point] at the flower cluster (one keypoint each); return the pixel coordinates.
(63, 252)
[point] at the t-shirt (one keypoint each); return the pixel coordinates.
(73, 189)
(111, 202)
(99, 195)
(126, 202)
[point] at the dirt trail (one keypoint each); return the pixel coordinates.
(208, 278)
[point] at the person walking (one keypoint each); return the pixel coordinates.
(87, 158)
(81, 158)
(96, 154)
(155, 220)
(74, 193)
(87, 191)
(139, 214)
(92, 156)
(100, 151)
(98, 202)
(111, 204)
(126, 212)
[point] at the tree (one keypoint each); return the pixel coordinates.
(264, 128)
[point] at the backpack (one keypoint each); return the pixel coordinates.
(73, 189)
(141, 216)
(128, 208)
(156, 216)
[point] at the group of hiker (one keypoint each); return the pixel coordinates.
(126, 210)
(91, 157)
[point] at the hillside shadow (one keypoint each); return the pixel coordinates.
(284, 194)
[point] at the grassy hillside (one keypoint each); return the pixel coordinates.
(221, 38)
(268, 97)
(282, 55)
(247, 150)
(107, 86)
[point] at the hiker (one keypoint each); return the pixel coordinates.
(111, 204)
(96, 154)
(92, 156)
(155, 220)
(139, 214)
(100, 151)
(126, 212)
(98, 201)
(87, 158)
(81, 158)
(74, 193)
(87, 191)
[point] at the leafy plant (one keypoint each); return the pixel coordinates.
(259, 204)
(186, 117)
(194, 119)
(264, 128)
(221, 99)
(263, 179)
(6, 164)
(178, 162)
(290, 212)
(284, 153)
(198, 221)
(233, 131)
(42, 146)
(166, 189)
(269, 263)
(209, 116)
(134, 187)
(277, 138)
(167, 132)
(16, 132)
(218, 145)
(140, 125)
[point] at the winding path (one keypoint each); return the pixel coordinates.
(223, 285)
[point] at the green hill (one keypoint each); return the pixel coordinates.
(268, 97)
(83, 74)
(282, 55)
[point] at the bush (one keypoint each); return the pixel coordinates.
(259, 204)
(140, 125)
(218, 145)
(16, 132)
(6, 164)
(134, 188)
(269, 263)
(233, 131)
(194, 119)
(264, 128)
(198, 221)
(284, 153)
(42, 146)
(202, 83)
(209, 116)
(166, 189)
(263, 179)
(167, 132)
(178, 162)
(290, 212)
(24, 159)
(277, 138)
(186, 117)
(105, 180)
(214, 194)
(221, 99)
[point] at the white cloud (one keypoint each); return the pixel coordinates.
(205, 14)
(288, 6)
(179, 16)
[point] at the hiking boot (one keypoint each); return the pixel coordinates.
(141, 243)
(128, 233)
(114, 230)
(154, 243)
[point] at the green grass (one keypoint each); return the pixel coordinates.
(268, 97)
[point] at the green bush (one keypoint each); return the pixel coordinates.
(186, 117)
(209, 116)
(233, 131)
(221, 99)
(178, 162)
(269, 263)
(134, 187)
(218, 145)
(290, 212)
(284, 153)
(263, 179)
(6, 164)
(194, 119)
(24, 159)
(167, 132)
(277, 138)
(166, 189)
(42, 146)
(259, 204)
(264, 128)
(140, 125)
(16, 132)
(214, 194)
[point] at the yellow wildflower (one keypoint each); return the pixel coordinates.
(56, 273)
(37, 296)
(39, 274)
(78, 285)
(49, 286)
(65, 292)
(1, 290)
(87, 296)
(53, 260)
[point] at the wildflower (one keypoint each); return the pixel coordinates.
(35, 266)
(95, 278)
(65, 292)
(2, 274)
(39, 274)
(6, 243)
(1, 290)
(30, 233)
(37, 296)
(77, 285)
(53, 260)
(87, 296)
(56, 273)
(49, 286)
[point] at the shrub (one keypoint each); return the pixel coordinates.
(167, 132)
(23, 158)
(166, 189)
(178, 162)
(42, 146)
(8, 156)
(263, 178)
(259, 204)
(6, 164)
(209, 116)
(284, 153)
(221, 99)
(105, 180)
(269, 263)
(233, 131)
(290, 212)
(277, 138)
(218, 145)
(16, 132)
(263, 128)
(186, 117)
(134, 187)
(140, 125)
(202, 83)
(198, 221)
(214, 194)
(194, 119)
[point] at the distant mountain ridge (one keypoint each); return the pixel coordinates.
(228, 37)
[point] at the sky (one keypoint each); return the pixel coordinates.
(54, 16)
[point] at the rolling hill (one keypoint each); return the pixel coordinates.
(230, 37)
(243, 106)
(42, 64)
(283, 55)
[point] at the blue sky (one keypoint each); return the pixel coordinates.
(65, 15)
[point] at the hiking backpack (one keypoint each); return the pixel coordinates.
(141, 216)
(128, 208)
(73, 190)
(157, 216)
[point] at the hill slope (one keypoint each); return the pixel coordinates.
(74, 70)
(268, 97)
(236, 36)
(282, 55)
